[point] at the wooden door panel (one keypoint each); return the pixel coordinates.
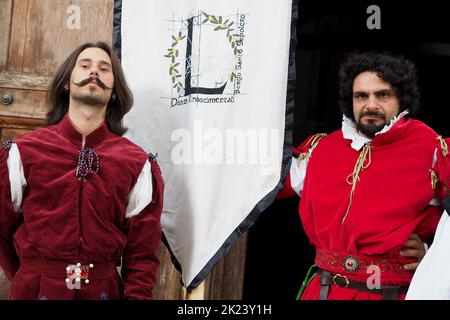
(11, 133)
(5, 28)
(41, 39)
(26, 103)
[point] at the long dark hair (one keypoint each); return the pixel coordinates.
(398, 71)
(58, 98)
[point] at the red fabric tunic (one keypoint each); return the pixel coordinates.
(391, 200)
(72, 220)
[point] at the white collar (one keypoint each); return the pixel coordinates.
(358, 141)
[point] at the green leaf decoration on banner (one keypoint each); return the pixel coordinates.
(213, 19)
(223, 25)
(173, 53)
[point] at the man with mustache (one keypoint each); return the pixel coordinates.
(370, 191)
(76, 198)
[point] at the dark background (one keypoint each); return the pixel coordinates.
(278, 253)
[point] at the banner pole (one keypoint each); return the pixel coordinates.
(196, 294)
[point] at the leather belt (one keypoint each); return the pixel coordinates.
(328, 279)
(343, 263)
(66, 270)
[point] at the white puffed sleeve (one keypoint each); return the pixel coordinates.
(17, 179)
(298, 172)
(141, 193)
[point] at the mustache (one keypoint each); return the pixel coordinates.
(84, 82)
(373, 114)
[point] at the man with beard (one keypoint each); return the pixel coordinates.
(77, 198)
(369, 192)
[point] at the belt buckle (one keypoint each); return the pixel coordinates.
(78, 272)
(339, 276)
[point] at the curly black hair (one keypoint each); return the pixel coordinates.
(398, 71)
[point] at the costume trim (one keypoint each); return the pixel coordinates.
(87, 159)
(312, 142)
(358, 264)
(444, 146)
(8, 143)
(152, 158)
(352, 179)
(358, 141)
(434, 179)
(391, 124)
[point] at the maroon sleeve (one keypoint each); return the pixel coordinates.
(140, 259)
(9, 221)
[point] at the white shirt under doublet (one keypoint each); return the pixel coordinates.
(141, 193)
(138, 198)
(17, 179)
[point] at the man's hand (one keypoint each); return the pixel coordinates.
(414, 248)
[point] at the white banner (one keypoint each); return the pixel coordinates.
(209, 80)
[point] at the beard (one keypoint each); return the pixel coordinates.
(370, 128)
(90, 97)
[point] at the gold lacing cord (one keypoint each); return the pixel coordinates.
(314, 139)
(312, 142)
(444, 146)
(434, 179)
(302, 156)
(353, 178)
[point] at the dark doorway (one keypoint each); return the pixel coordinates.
(278, 253)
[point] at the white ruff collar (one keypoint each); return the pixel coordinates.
(358, 140)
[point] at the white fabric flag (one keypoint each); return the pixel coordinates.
(209, 80)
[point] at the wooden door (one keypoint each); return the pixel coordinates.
(35, 38)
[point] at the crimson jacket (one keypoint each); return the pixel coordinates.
(68, 216)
